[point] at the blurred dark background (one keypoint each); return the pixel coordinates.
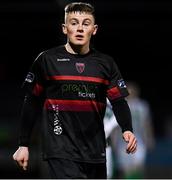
(137, 32)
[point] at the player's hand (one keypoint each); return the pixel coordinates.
(21, 156)
(131, 140)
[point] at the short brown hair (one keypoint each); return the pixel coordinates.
(80, 7)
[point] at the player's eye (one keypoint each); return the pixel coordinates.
(86, 24)
(73, 23)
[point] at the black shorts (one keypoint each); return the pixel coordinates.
(67, 169)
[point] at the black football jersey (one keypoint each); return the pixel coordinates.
(74, 89)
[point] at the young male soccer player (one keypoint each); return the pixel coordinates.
(69, 85)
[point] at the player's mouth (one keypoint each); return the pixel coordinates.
(79, 37)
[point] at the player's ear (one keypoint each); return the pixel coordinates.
(64, 29)
(95, 29)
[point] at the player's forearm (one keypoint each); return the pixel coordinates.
(29, 114)
(123, 115)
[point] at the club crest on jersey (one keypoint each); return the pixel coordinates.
(80, 67)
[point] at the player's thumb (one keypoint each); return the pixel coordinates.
(126, 136)
(25, 164)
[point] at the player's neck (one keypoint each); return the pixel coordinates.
(77, 49)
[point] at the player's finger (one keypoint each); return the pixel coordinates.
(25, 163)
(20, 163)
(133, 148)
(131, 144)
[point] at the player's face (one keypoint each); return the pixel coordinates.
(79, 27)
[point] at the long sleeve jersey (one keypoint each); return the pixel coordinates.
(70, 91)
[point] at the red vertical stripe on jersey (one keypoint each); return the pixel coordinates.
(37, 90)
(73, 105)
(113, 93)
(79, 78)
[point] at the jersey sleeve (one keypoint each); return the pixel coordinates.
(117, 88)
(116, 93)
(34, 81)
(33, 88)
